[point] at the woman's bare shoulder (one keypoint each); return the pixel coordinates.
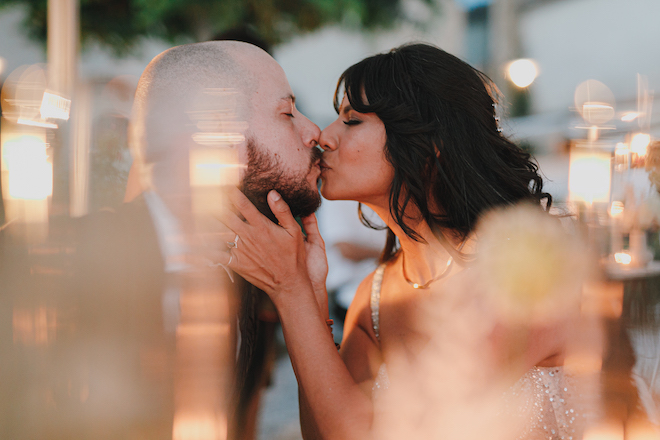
(360, 348)
(359, 312)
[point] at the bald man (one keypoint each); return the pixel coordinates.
(221, 96)
(179, 91)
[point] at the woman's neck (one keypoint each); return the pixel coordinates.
(425, 259)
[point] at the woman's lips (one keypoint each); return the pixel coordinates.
(324, 166)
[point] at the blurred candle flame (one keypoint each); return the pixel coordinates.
(639, 143)
(589, 175)
(29, 169)
(622, 258)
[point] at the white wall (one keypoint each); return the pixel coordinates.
(313, 62)
(576, 40)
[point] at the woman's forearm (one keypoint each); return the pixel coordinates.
(338, 407)
(308, 428)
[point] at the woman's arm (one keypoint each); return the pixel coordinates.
(359, 352)
(274, 259)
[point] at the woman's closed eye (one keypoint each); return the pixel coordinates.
(352, 122)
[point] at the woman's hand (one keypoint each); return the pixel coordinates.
(277, 258)
(317, 261)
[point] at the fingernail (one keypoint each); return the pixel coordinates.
(274, 196)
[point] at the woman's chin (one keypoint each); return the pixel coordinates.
(325, 191)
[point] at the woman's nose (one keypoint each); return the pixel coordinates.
(327, 139)
(310, 133)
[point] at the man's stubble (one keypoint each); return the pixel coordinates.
(265, 173)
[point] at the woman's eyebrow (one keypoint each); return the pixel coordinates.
(347, 108)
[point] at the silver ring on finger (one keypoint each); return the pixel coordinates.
(233, 244)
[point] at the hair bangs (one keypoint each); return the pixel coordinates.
(364, 85)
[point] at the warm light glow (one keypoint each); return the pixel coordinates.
(213, 167)
(642, 430)
(29, 169)
(522, 72)
(34, 326)
(629, 116)
(3, 63)
(639, 143)
(589, 175)
(622, 258)
(609, 431)
(198, 426)
(621, 157)
(621, 148)
(219, 139)
(54, 106)
(616, 209)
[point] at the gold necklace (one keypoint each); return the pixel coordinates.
(428, 283)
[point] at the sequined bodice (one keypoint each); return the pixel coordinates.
(542, 400)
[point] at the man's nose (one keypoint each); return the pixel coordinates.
(310, 133)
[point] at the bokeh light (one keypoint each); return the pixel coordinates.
(522, 72)
(29, 169)
(639, 143)
(630, 116)
(594, 101)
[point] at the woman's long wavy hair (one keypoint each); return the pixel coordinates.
(449, 157)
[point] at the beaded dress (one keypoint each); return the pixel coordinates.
(544, 400)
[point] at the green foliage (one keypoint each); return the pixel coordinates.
(120, 23)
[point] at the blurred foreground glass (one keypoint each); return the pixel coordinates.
(100, 340)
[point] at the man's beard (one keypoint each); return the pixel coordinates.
(265, 173)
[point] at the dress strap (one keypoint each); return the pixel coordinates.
(375, 299)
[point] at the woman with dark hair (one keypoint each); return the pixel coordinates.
(417, 140)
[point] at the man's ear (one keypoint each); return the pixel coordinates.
(134, 183)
